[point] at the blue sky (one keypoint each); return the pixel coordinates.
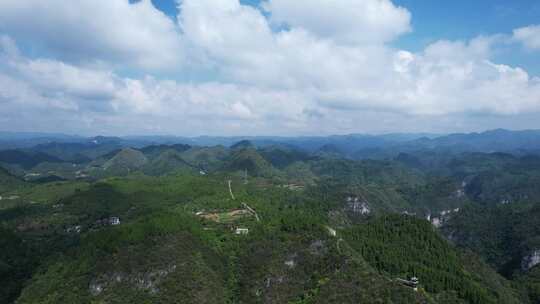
(462, 19)
(226, 67)
(453, 20)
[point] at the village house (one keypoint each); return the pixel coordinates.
(241, 231)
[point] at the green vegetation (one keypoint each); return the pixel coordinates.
(157, 225)
(248, 159)
(503, 235)
(9, 182)
(403, 246)
(16, 264)
(531, 283)
(163, 252)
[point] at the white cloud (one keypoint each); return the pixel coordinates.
(102, 98)
(529, 36)
(345, 21)
(309, 78)
(95, 30)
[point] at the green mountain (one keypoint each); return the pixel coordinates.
(168, 161)
(243, 144)
(249, 160)
(206, 158)
(26, 159)
(330, 151)
(281, 156)
(75, 152)
(504, 235)
(177, 224)
(172, 239)
(156, 150)
(404, 246)
(123, 162)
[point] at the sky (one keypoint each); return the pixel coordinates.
(270, 67)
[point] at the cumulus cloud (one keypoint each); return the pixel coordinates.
(95, 30)
(529, 36)
(329, 70)
(103, 98)
(345, 21)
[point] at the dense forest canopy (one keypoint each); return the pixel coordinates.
(266, 224)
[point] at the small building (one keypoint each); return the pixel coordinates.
(241, 231)
(110, 221)
(114, 221)
(412, 283)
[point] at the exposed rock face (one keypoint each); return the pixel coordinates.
(435, 221)
(290, 261)
(530, 260)
(147, 281)
(444, 216)
(355, 205)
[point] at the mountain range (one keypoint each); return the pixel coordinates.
(340, 219)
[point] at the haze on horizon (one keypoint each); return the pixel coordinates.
(272, 67)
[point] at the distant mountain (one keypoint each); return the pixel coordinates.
(155, 150)
(249, 160)
(490, 141)
(355, 146)
(16, 140)
(283, 156)
(330, 151)
(125, 161)
(26, 159)
(243, 144)
(72, 152)
(361, 146)
(206, 158)
(168, 161)
(99, 140)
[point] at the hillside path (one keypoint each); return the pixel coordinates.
(230, 190)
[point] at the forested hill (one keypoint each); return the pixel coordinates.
(101, 222)
(403, 246)
(351, 146)
(176, 241)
